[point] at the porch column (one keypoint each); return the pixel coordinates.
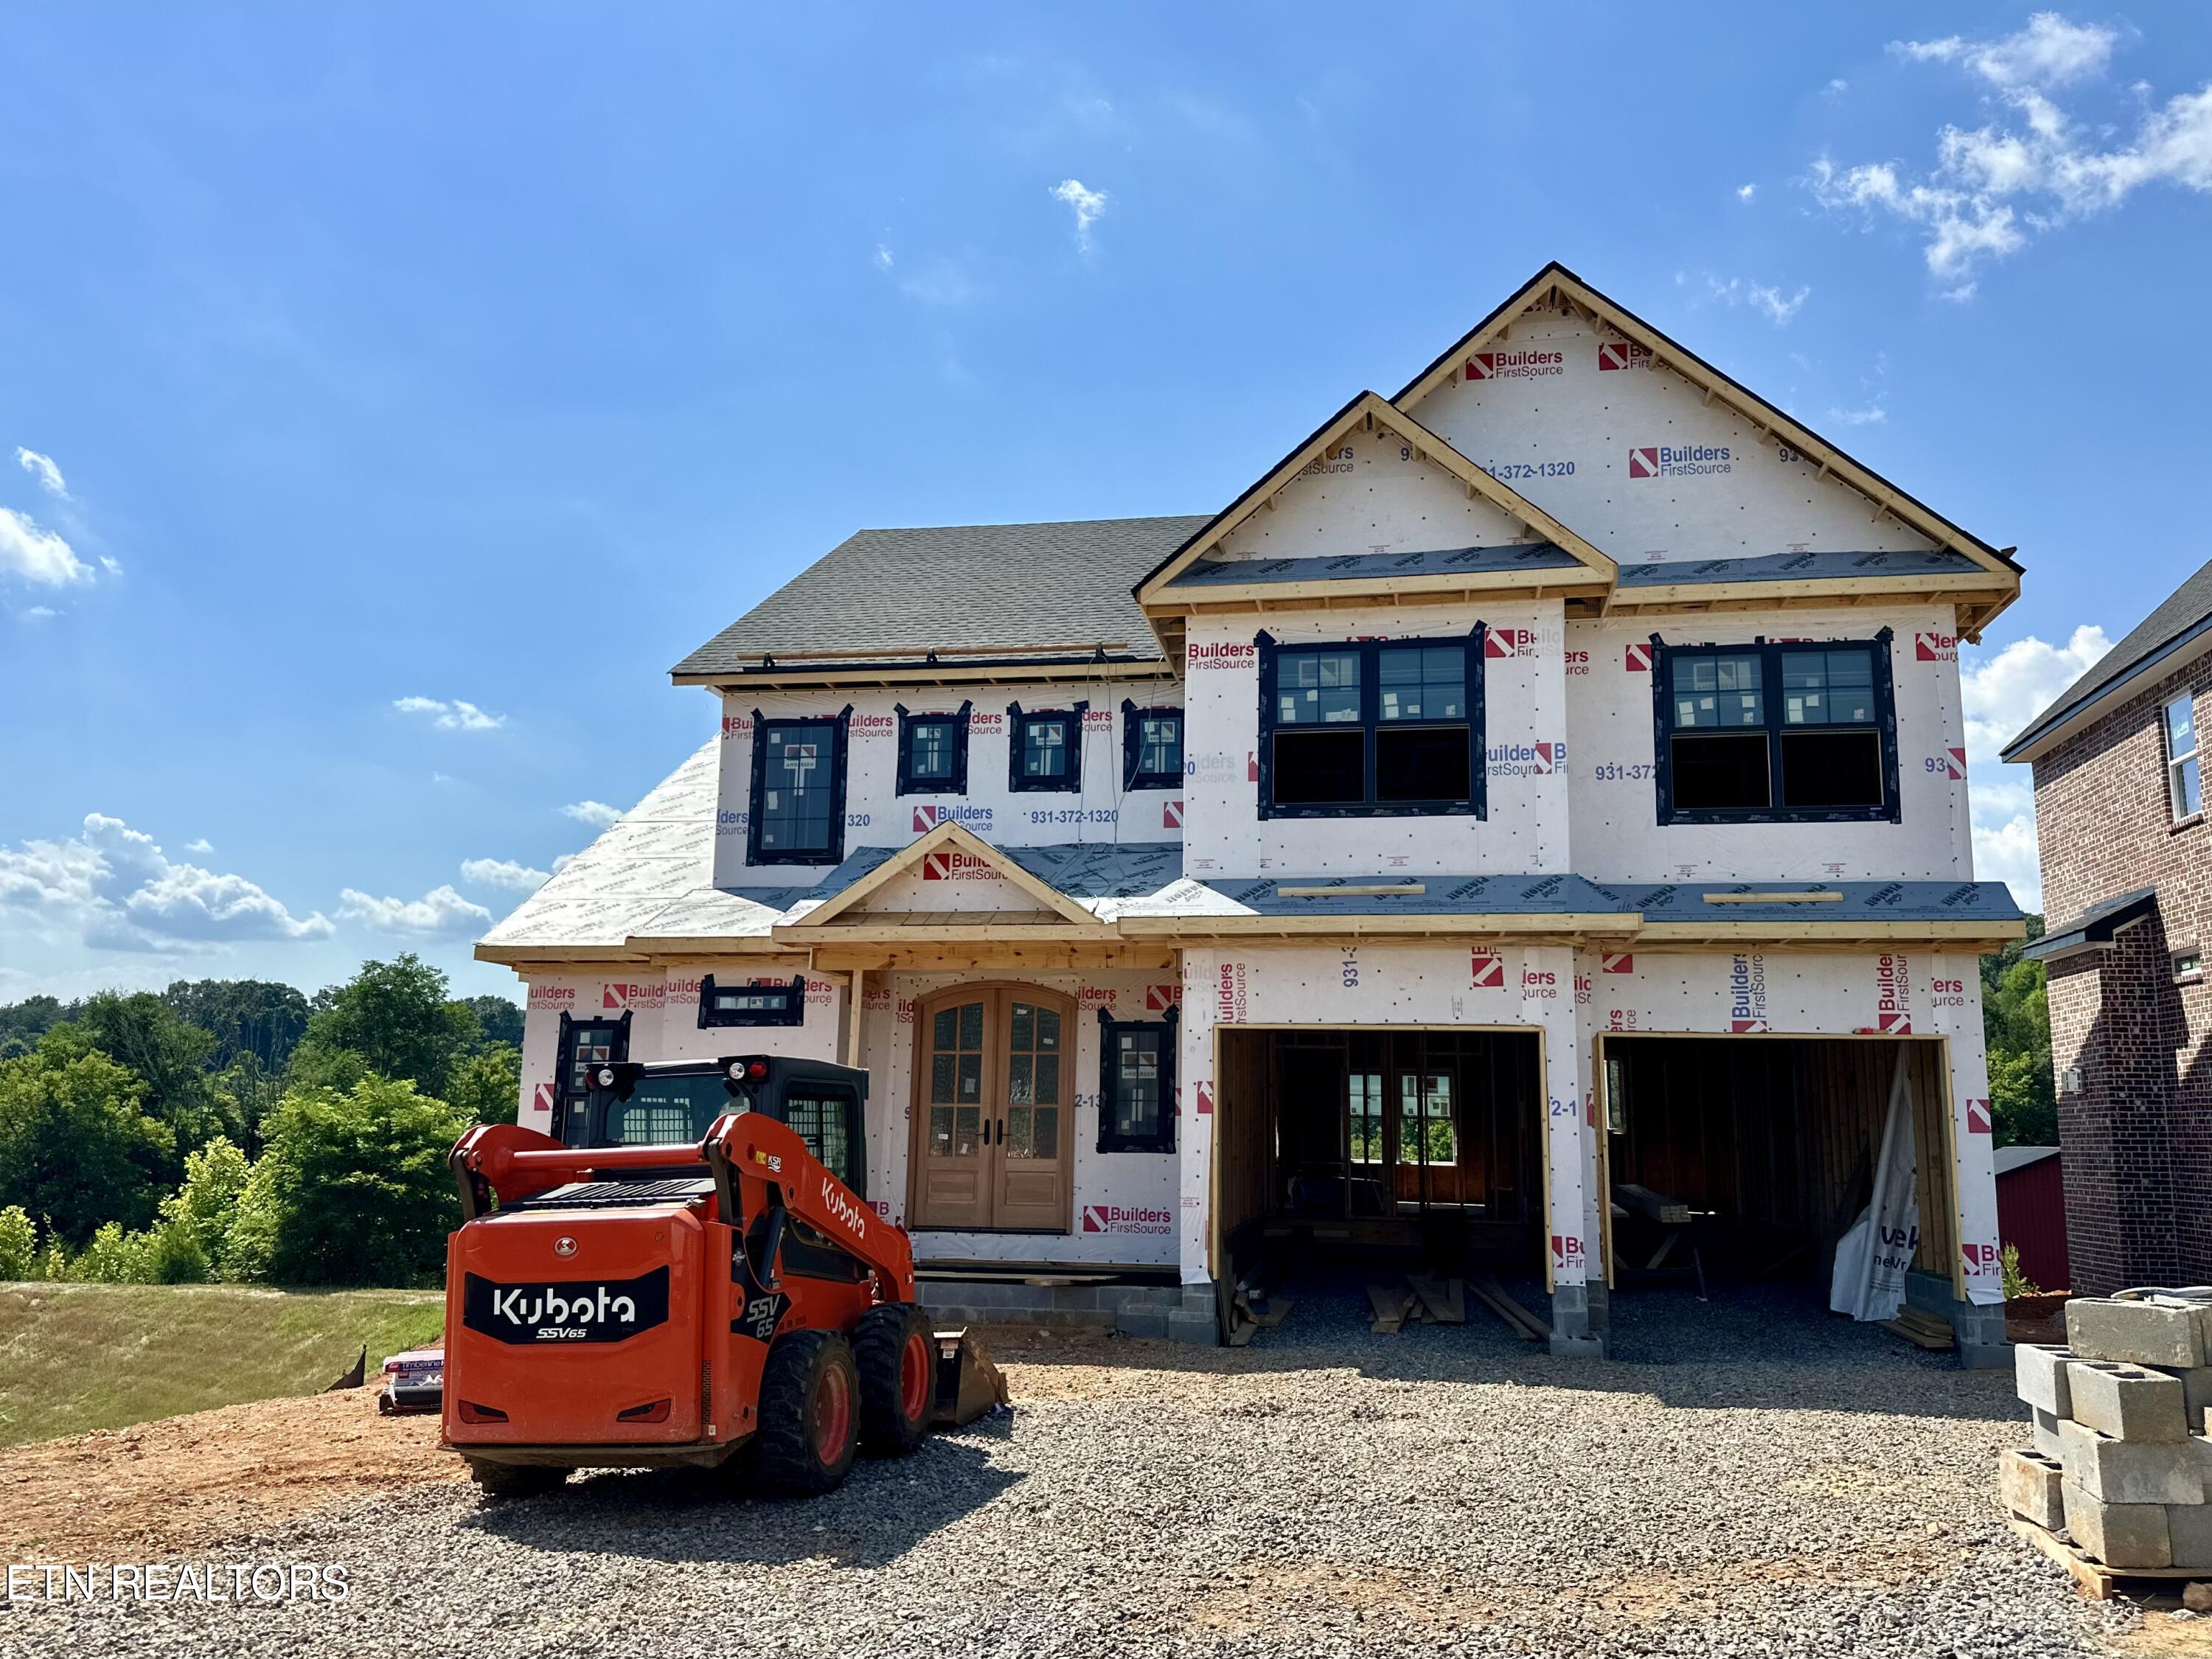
(1547, 1000)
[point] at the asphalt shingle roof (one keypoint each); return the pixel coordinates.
(2183, 613)
(960, 586)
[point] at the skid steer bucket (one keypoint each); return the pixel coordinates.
(968, 1384)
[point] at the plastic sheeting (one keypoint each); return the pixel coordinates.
(1873, 1258)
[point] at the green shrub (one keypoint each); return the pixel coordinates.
(75, 1148)
(351, 1189)
(19, 1243)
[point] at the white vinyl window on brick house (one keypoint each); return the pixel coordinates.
(2185, 786)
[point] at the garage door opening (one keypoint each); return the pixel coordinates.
(1419, 1146)
(1743, 1159)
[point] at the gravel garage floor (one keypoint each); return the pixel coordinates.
(1758, 1479)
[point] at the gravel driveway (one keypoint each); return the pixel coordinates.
(1815, 1488)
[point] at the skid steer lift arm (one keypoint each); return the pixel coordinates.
(761, 1169)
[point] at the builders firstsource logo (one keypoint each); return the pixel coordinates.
(1510, 642)
(619, 995)
(1746, 994)
(1893, 997)
(1222, 656)
(968, 818)
(1525, 760)
(1678, 460)
(957, 866)
(1935, 647)
(1622, 354)
(1113, 1218)
(1514, 365)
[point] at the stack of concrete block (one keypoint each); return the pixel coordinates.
(2121, 1461)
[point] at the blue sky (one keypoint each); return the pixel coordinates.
(399, 391)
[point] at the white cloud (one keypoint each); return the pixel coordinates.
(596, 813)
(440, 910)
(2049, 52)
(2006, 852)
(503, 872)
(201, 845)
(1872, 415)
(1836, 88)
(1992, 187)
(36, 555)
(884, 260)
(455, 717)
(40, 613)
(112, 887)
(1779, 307)
(1745, 192)
(2001, 694)
(1087, 204)
(42, 468)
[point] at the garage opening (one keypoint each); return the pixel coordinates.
(1344, 1145)
(1744, 1158)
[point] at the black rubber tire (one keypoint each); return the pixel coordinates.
(879, 1346)
(784, 1460)
(504, 1480)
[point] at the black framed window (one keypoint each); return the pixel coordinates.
(1136, 1084)
(798, 791)
(932, 753)
(1803, 732)
(752, 1005)
(1152, 748)
(1044, 749)
(1382, 728)
(583, 1044)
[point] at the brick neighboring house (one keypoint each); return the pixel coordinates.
(2127, 879)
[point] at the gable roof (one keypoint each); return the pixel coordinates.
(990, 588)
(1046, 900)
(1555, 283)
(2177, 631)
(1572, 561)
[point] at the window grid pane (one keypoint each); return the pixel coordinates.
(1159, 745)
(1423, 683)
(1716, 691)
(1044, 748)
(931, 752)
(1827, 688)
(797, 782)
(1314, 688)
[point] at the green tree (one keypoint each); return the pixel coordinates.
(2016, 1034)
(19, 1243)
(487, 1087)
(75, 1148)
(395, 1016)
(352, 1189)
(22, 1023)
(170, 1055)
(498, 1020)
(256, 1016)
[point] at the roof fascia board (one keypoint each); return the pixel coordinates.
(2054, 726)
(862, 676)
(947, 836)
(1689, 595)
(1441, 588)
(1556, 277)
(1371, 406)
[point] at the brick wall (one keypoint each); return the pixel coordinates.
(2138, 1134)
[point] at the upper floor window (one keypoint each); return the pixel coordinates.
(2185, 786)
(1044, 749)
(1376, 727)
(1152, 748)
(932, 753)
(798, 813)
(1767, 733)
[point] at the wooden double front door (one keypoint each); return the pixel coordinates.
(994, 1116)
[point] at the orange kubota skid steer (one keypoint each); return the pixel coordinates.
(727, 1301)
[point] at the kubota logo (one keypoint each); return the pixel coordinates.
(840, 1204)
(565, 1311)
(564, 1247)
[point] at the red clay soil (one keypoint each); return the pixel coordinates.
(158, 1489)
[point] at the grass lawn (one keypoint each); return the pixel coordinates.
(79, 1357)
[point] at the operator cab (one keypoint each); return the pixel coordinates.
(675, 1102)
